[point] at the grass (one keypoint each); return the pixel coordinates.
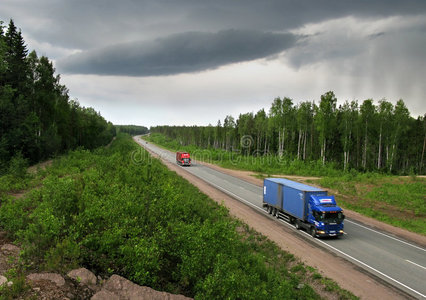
(105, 211)
(270, 164)
(396, 200)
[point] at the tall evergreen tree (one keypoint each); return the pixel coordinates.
(37, 118)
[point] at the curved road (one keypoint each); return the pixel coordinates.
(398, 262)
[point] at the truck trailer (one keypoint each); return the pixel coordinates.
(183, 158)
(304, 206)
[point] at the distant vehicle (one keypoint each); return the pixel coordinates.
(183, 158)
(304, 206)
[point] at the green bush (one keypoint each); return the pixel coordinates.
(18, 166)
(103, 210)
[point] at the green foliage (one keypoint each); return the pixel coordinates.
(395, 200)
(366, 137)
(18, 166)
(37, 117)
(19, 286)
(131, 129)
(103, 210)
(269, 164)
(390, 200)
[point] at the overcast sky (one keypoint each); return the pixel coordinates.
(193, 62)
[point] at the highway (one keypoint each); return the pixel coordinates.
(400, 263)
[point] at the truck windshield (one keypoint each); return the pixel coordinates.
(329, 217)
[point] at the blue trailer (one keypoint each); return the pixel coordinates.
(304, 206)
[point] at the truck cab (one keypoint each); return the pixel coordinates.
(305, 206)
(325, 216)
(183, 158)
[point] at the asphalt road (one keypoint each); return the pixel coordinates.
(398, 262)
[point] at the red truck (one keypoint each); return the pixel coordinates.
(183, 158)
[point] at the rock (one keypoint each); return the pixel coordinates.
(10, 249)
(125, 289)
(9, 283)
(53, 277)
(104, 295)
(83, 276)
(3, 280)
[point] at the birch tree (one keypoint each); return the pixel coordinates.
(385, 111)
(401, 120)
(326, 120)
(367, 112)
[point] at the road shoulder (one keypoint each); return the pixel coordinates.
(343, 272)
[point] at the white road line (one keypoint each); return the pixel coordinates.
(373, 269)
(335, 249)
(416, 264)
(386, 235)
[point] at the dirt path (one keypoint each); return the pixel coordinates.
(346, 274)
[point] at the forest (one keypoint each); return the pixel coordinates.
(364, 137)
(38, 118)
(131, 129)
(102, 210)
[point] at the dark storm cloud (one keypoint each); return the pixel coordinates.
(82, 24)
(179, 53)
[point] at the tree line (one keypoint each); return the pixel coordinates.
(366, 137)
(131, 129)
(38, 118)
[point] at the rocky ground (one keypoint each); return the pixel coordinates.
(76, 284)
(83, 284)
(346, 274)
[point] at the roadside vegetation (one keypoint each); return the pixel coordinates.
(38, 118)
(112, 213)
(131, 129)
(365, 137)
(396, 200)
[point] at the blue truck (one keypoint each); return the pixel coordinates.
(304, 206)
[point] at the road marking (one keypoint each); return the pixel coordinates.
(389, 236)
(335, 249)
(320, 241)
(416, 264)
(371, 268)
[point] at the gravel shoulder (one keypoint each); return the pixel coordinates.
(370, 222)
(346, 274)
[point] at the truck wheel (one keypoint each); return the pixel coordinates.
(313, 231)
(297, 225)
